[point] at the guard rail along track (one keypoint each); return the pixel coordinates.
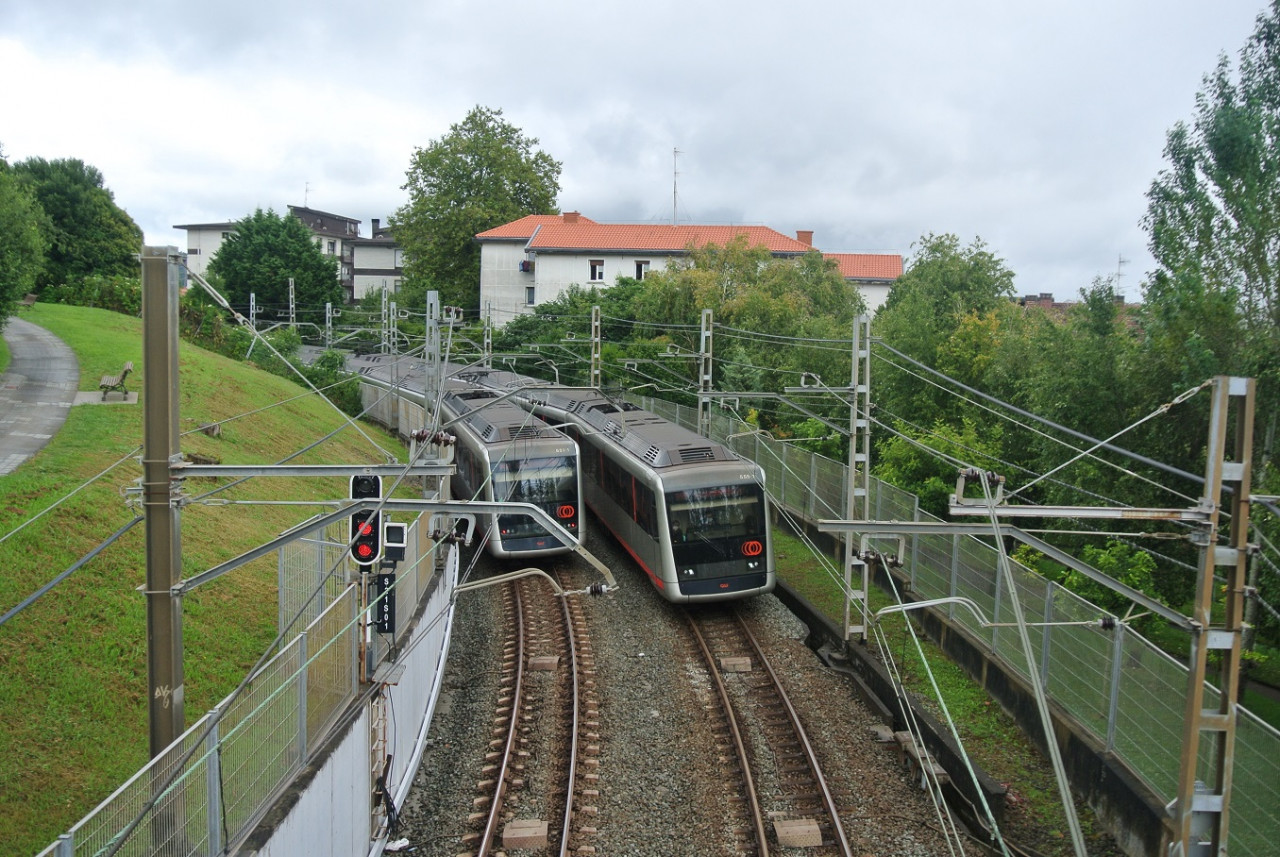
(789, 790)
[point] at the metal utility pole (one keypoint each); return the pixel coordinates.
(1200, 811)
(487, 348)
(704, 376)
(431, 380)
(858, 493)
(595, 347)
(293, 306)
(675, 183)
(160, 449)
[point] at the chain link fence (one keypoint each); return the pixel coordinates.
(213, 785)
(1123, 690)
(215, 781)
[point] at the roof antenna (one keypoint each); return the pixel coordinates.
(675, 174)
(306, 191)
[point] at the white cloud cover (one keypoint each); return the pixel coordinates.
(1036, 127)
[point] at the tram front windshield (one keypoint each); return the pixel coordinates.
(708, 524)
(548, 483)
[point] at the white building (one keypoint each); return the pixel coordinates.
(377, 263)
(534, 259)
(364, 264)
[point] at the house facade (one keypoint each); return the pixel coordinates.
(535, 259)
(377, 263)
(364, 264)
(203, 241)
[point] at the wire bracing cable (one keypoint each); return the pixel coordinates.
(1014, 408)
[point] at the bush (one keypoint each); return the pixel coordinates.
(116, 293)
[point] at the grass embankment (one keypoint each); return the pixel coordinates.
(1034, 813)
(73, 666)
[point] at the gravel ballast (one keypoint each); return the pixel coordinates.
(661, 789)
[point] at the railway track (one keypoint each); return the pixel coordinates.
(538, 772)
(784, 791)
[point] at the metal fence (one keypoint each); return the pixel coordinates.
(1120, 688)
(214, 782)
(218, 779)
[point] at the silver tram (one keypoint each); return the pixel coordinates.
(506, 454)
(692, 513)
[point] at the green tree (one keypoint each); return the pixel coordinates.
(946, 291)
(1213, 217)
(22, 243)
(925, 461)
(483, 173)
(1081, 371)
(263, 253)
(86, 232)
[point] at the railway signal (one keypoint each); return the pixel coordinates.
(365, 532)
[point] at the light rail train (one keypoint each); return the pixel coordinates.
(691, 512)
(506, 454)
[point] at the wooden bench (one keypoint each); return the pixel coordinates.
(28, 301)
(116, 382)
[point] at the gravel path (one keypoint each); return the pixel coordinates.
(660, 787)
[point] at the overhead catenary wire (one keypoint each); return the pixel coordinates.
(222, 302)
(1079, 435)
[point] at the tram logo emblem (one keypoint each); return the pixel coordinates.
(565, 512)
(752, 548)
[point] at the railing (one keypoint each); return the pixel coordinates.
(217, 780)
(1119, 687)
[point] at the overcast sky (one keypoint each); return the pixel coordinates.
(1036, 126)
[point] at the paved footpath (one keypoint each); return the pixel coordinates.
(36, 391)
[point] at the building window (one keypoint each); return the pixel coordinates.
(642, 270)
(226, 235)
(596, 267)
(193, 251)
(528, 295)
(333, 247)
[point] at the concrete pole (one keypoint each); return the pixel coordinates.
(164, 537)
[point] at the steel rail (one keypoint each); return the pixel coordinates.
(500, 787)
(814, 767)
(744, 761)
(573, 726)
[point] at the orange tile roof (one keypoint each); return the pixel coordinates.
(575, 232)
(867, 266)
(525, 227)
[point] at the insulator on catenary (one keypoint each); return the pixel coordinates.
(447, 536)
(1108, 623)
(438, 438)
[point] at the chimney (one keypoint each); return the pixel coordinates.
(375, 223)
(571, 216)
(805, 237)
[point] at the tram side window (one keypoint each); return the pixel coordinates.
(465, 468)
(646, 510)
(591, 464)
(616, 483)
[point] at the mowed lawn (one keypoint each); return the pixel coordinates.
(73, 666)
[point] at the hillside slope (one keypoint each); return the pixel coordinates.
(73, 672)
